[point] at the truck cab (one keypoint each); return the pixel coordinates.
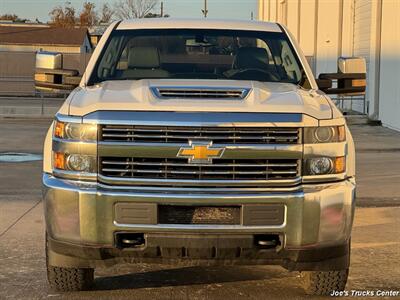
(198, 142)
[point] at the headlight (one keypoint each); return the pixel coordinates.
(75, 131)
(79, 163)
(324, 134)
(324, 165)
(74, 162)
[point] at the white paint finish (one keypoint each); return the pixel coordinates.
(135, 95)
(389, 89)
(171, 23)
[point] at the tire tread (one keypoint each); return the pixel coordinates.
(324, 282)
(70, 279)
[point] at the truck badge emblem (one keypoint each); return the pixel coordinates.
(200, 152)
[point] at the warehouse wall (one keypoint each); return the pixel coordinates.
(389, 75)
(325, 30)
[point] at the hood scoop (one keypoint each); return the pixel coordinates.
(220, 93)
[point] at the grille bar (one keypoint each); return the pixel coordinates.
(105, 162)
(107, 135)
(219, 135)
(201, 172)
(180, 168)
(205, 130)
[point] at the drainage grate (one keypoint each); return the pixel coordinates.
(12, 157)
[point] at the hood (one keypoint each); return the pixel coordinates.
(137, 96)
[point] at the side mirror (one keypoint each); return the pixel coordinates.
(350, 78)
(51, 77)
(324, 84)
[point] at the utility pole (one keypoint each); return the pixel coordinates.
(205, 10)
(162, 9)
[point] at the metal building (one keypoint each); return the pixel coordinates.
(328, 29)
(19, 44)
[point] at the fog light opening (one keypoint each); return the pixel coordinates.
(130, 240)
(267, 241)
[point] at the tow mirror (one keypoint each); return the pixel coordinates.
(350, 78)
(50, 75)
(324, 84)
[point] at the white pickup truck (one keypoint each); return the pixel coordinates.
(198, 142)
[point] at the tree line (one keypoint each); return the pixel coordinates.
(67, 15)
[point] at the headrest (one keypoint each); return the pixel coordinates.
(251, 57)
(143, 58)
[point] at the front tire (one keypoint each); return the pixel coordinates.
(68, 279)
(324, 282)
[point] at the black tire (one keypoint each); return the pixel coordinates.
(324, 282)
(68, 279)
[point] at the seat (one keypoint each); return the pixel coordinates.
(144, 62)
(249, 62)
(251, 58)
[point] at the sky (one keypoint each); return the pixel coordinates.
(230, 9)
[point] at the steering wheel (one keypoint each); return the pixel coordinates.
(254, 74)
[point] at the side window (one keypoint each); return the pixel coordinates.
(289, 62)
(108, 63)
(123, 61)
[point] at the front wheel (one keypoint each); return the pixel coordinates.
(324, 282)
(68, 279)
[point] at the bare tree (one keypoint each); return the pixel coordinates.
(63, 16)
(132, 9)
(9, 17)
(107, 14)
(88, 16)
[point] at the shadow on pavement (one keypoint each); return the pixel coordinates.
(189, 276)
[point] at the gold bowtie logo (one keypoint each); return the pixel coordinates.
(198, 152)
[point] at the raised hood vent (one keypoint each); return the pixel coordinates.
(200, 93)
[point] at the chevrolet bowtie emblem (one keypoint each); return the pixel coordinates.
(199, 152)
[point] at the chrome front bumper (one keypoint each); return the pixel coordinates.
(316, 215)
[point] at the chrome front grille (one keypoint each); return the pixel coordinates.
(182, 135)
(179, 168)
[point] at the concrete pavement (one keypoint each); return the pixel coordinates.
(29, 107)
(375, 243)
(377, 165)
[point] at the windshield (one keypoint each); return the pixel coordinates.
(198, 54)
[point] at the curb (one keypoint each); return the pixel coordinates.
(32, 111)
(377, 202)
